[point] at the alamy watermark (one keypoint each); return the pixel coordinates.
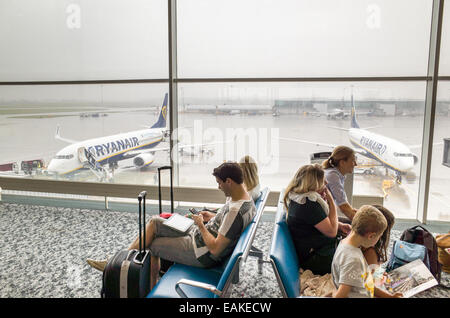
(214, 146)
(73, 20)
(373, 20)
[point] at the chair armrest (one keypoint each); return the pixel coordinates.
(194, 283)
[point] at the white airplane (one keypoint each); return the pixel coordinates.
(94, 154)
(101, 155)
(388, 152)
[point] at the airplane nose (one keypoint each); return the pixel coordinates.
(53, 167)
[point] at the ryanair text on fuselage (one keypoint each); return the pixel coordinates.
(373, 145)
(114, 146)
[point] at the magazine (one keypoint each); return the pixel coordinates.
(409, 279)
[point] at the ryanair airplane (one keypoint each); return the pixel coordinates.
(388, 152)
(98, 153)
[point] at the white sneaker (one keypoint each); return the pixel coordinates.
(97, 264)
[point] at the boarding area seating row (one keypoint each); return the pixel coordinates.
(283, 256)
(193, 282)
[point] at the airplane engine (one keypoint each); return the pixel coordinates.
(143, 160)
(416, 159)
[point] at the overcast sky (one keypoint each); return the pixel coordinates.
(123, 39)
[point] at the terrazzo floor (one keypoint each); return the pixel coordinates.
(44, 249)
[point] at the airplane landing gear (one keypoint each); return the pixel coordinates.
(398, 178)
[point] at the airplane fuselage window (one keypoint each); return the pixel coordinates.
(64, 156)
(397, 154)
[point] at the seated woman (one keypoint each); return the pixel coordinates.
(251, 179)
(312, 222)
(341, 162)
(378, 254)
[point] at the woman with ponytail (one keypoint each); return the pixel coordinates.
(341, 162)
(251, 179)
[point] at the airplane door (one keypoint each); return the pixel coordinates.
(82, 154)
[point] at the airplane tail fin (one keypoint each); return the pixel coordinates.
(161, 123)
(354, 123)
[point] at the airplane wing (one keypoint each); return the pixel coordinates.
(371, 127)
(347, 129)
(193, 145)
(308, 142)
(338, 128)
(58, 136)
(357, 150)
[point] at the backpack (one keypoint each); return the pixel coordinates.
(405, 252)
(420, 235)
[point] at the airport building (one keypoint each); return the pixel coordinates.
(97, 96)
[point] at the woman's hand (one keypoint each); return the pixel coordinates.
(344, 228)
(328, 194)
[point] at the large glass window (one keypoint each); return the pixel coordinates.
(43, 128)
(83, 40)
(438, 200)
(280, 125)
(101, 40)
(444, 59)
(308, 38)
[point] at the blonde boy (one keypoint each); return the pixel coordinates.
(351, 274)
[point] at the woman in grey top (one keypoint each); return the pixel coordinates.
(341, 162)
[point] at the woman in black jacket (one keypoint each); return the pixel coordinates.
(312, 219)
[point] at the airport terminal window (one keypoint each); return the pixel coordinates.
(122, 40)
(294, 38)
(49, 125)
(439, 198)
(279, 125)
(83, 40)
(444, 59)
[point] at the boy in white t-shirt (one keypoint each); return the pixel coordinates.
(351, 274)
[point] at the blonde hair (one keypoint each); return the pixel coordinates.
(308, 178)
(339, 153)
(250, 170)
(368, 219)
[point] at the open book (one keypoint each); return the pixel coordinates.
(409, 279)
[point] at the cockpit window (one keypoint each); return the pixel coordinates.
(64, 156)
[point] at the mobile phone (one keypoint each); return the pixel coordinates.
(193, 211)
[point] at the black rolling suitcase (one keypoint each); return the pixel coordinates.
(165, 264)
(127, 274)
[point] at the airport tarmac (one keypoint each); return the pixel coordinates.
(30, 135)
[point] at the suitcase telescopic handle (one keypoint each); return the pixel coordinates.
(141, 195)
(141, 199)
(171, 187)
